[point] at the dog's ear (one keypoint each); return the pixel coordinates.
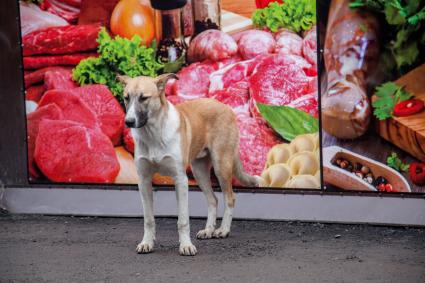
(124, 79)
(161, 81)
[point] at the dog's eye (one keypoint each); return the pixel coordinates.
(143, 98)
(126, 99)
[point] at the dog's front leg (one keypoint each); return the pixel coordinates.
(182, 193)
(146, 193)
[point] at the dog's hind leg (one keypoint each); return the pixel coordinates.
(145, 190)
(201, 169)
(223, 169)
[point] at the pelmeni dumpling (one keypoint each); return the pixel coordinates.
(304, 143)
(303, 163)
(276, 175)
(303, 182)
(279, 154)
(288, 164)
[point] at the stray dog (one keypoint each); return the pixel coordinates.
(201, 133)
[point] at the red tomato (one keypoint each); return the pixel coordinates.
(130, 18)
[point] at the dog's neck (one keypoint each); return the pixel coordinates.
(160, 129)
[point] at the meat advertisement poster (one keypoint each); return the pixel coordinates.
(75, 50)
(372, 99)
(261, 60)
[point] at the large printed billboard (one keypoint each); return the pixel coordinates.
(261, 61)
(78, 55)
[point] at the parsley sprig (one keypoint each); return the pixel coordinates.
(405, 31)
(389, 94)
(394, 162)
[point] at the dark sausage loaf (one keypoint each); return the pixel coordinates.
(351, 52)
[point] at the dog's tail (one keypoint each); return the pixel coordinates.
(244, 178)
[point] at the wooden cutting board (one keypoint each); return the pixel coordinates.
(232, 23)
(407, 133)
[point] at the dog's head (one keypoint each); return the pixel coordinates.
(144, 98)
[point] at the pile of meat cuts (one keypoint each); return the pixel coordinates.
(247, 68)
(73, 130)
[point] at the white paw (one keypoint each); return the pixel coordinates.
(144, 247)
(187, 249)
(205, 234)
(221, 233)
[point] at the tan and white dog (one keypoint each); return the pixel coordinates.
(201, 133)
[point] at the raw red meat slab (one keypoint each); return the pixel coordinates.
(279, 80)
(288, 42)
(73, 107)
(193, 81)
(38, 62)
(233, 73)
(66, 9)
(212, 44)
(109, 112)
(38, 76)
(309, 46)
(59, 78)
(128, 140)
(35, 92)
(67, 151)
(252, 43)
(49, 111)
(307, 103)
(61, 40)
(255, 141)
(236, 96)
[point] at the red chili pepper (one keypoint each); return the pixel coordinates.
(388, 188)
(417, 173)
(408, 107)
(261, 4)
(381, 187)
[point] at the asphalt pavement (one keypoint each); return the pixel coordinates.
(87, 249)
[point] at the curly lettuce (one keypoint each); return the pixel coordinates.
(296, 15)
(117, 56)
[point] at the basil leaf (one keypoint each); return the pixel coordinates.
(287, 121)
(174, 67)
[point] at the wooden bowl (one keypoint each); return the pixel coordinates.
(348, 181)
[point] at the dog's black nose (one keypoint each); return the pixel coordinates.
(130, 122)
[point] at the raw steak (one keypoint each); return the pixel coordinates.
(49, 111)
(307, 103)
(38, 76)
(33, 18)
(310, 46)
(227, 76)
(212, 44)
(279, 80)
(288, 42)
(252, 43)
(128, 140)
(67, 151)
(255, 141)
(193, 81)
(95, 11)
(35, 92)
(37, 62)
(59, 78)
(109, 112)
(61, 40)
(73, 107)
(66, 9)
(235, 96)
